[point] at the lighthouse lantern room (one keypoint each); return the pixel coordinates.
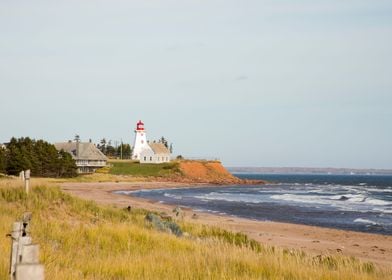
(140, 143)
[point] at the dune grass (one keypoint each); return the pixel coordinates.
(82, 240)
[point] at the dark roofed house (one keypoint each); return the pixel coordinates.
(86, 155)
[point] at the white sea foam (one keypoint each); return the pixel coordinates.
(344, 201)
(135, 191)
(123, 192)
(387, 210)
(231, 197)
(365, 221)
(374, 201)
(172, 196)
(300, 198)
(355, 197)
(379, 190)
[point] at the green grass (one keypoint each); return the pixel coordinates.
(82, 240)
(143, 170)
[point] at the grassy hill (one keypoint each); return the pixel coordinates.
(185, 170)
(128, 167)
(82, 240)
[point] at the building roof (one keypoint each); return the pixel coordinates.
(159, 148)
(87, 151)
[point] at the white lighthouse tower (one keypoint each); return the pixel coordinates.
(140, 143)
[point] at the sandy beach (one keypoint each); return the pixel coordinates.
(310, 239)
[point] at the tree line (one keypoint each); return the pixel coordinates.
(41, 157)
(123, 151)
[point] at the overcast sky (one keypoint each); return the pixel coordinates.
(254, 82)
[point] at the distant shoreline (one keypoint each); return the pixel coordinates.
(309, 170)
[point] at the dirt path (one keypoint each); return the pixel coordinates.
(314, 240)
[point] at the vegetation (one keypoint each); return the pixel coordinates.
(136, 169)
(81, 240)
(39, 156)
(164, 141)
(123, 151)
(2, 160)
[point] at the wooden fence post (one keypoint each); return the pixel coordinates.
(27, 180)
(16, 232)
(24, 262)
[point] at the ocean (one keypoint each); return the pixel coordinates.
(351, 202)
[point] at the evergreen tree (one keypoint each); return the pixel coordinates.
(126, 151)
(18, 156)
(66, 165)
(110, 151)
(2, 161)
(102, 146)
(164, 142)
(171, 148)
(40, 157)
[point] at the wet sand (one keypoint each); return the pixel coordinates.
(313, 240)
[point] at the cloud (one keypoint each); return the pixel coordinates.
(242, 78)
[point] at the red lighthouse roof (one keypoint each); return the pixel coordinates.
(140, 125)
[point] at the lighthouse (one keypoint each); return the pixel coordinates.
(140, 143)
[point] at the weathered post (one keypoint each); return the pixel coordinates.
(29, 267)
(22, 175)
(30, 253)
(24, 263)
(27, 271)
(27, 180)
(16, 232)
(23, 240)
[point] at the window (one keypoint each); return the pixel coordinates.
(150, 158)
(145, 158)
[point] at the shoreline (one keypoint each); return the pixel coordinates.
(313, 240)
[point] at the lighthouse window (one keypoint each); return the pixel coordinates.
(150, 158)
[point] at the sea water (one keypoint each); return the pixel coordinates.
(352, 202)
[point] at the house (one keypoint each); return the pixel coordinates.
(155, 153)
(86, 155)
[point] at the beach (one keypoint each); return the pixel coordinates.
(313, 240)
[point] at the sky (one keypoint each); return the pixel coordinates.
(252, 83)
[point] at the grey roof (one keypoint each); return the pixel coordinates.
(159, 148)
(87, 151)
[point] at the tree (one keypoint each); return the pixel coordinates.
(126, 151)
(18, 156)
(163, 141)
(66, 165)
(40, 157)
(110, 151)
(171, 148)
(2, 160)
(102, 146)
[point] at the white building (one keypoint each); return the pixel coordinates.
(148, 152)
(155, 153)
(140, 141)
